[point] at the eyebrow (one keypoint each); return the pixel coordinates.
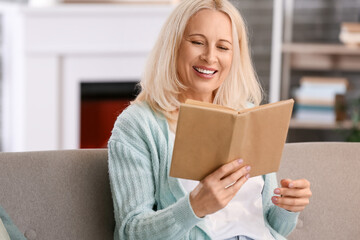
(201, 35)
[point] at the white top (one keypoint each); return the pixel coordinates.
(242, 216)
(3, 233)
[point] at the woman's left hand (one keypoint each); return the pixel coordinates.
(294, 194)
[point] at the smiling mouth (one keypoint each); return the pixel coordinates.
(205, 71)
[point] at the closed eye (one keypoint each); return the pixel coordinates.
(223, 48)
(196, 42)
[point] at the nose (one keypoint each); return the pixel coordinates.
(209, 55)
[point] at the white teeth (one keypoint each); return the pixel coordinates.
(204, 71)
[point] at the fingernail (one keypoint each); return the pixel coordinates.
(274, 199)
(247, 176)
(248, 168)
(291, 185)
(277, 191)
(240, 161)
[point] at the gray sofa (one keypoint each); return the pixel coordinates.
(57, 195)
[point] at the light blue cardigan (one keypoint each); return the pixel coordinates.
(149, 204)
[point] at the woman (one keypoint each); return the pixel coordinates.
(201, 54)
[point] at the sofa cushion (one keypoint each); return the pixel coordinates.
(333, 171)
(58, 194)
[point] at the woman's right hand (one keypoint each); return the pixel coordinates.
(216, 190)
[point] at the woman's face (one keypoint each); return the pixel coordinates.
(205, 54)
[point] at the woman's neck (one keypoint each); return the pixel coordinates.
(182, 98)
(173, 120)
(198, 97)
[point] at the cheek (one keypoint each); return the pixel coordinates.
(230, 58)
(180, 65)
(227, 64)
(183, 60)
(190, 54)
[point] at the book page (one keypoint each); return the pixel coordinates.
(269, 105)
(209, 105)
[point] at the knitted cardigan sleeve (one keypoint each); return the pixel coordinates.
(280, 221)
(133, 159)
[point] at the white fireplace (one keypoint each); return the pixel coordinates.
(47, 53)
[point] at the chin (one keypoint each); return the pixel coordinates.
(205, 88)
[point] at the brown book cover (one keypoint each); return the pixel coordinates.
(209, 135)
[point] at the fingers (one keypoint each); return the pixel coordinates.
(234, 177)
(293, 192)
(227, 169)
(300, 183)
(291, 204)
(290, 201)
(216, 190)
(294, 188)
(237, 185)
(285, 182)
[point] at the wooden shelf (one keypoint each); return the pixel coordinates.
(315, 56)
(325, 57)
(320, 48)
(296, 124)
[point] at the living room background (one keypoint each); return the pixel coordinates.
(316, 21)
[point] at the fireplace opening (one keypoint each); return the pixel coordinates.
(101, 103)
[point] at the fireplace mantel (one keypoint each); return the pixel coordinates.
(47, 52)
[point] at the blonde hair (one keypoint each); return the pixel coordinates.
(161, 86)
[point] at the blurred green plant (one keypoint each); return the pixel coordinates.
(354, 135)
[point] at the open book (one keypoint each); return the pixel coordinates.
(209, 135)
